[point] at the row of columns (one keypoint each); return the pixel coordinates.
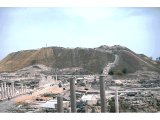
(23, 89)
(73, 97)
(9, 91)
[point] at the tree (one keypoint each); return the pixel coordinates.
(124, 70)
(33, 62)
(118, 72)
(112, 105)
(111, 72)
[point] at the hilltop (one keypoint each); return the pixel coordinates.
(91, 60)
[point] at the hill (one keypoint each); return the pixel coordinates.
(129, 60)
(92, 60)
(57, 57)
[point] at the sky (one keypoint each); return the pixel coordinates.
(32, 28)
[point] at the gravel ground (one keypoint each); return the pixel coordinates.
(5, 106)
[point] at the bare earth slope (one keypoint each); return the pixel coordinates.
(129, 60)
(132, 62)
(57, 57)
(92, 60)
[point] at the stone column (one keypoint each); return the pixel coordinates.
(116, 101)
(5, 92)
(12, 89)
(22, 88)
(86, 108)
(25, 89)
(50, 79)
(53, 79)
(56, 78)
(47, 80)
(72, 95)
(1, 94)
(102, 94)
(60, 104)
(2, 91)
(40, 83)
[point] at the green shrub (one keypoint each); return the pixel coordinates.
(124, 70)
(111, 72)
(118, 72)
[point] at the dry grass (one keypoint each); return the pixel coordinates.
(24, 99)
(18, 60)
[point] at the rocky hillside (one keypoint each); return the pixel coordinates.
(57, 57)
(92, 60)
(129, 60)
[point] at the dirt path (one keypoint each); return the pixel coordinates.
(110, 65)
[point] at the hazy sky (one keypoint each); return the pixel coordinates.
(32, 28)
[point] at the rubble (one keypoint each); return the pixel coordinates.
(137, 92)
